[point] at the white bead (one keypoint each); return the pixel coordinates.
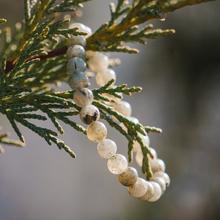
(160, 181)
(78, 80)
(106, 148)
(83, 97)
(88, 30)
(123, 107)
(146, 141)
(139, 188)
(139, 158)
(81, 27)
(76, 64)
(163, 175)
(106, 75)
(76, 40)
(117, 164)
(90, 54)
(76, 51)
(89, 113)
(129, 177)
(157, 192)
(149, 193)
(98, 63)
(96, 131)
(157, 165)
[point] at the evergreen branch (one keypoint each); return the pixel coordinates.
(5, 140)
(152, 129)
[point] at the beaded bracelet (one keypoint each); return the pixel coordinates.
(97, 131)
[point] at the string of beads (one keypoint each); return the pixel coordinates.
(96, 131)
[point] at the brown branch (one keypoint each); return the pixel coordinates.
(53, 53)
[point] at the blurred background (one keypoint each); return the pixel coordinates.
(180, 78)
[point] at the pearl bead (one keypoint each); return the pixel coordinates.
(90, 54)
(139, 188)
(76, 51)
(98, 63)
(81, 27)
(157, 165)
(117, 164)
(163, 175)
(129, 177)
(157, 192)
(145, 140)
(123, 107)
(106, 148)
(103, 77)
(88, 30)
(76, 64)
(160, 181)
(149, 193)
(89, 113)
(78, 80)
(96, 131)
(83, 97)
(76, 40)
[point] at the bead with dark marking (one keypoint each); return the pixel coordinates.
(89, 114)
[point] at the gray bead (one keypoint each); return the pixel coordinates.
(76, 51)
(76, 64)
(76, 40)
(78, 80)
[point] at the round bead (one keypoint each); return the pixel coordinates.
(98, 63)
(76, 40)
(106, 148)
(117, 164)
(157, 192)
(78, 80)
(146, 141)
(81, 27)
(90, 54)
(129, 177)
(76, 64)
(160, 181)
(139, 188)
(89, 113)
(123, 107)
(76, 51)
(139, 158)
(88, 30)
(157, 165)
(149, 193)
(103, 77)
(164, 176)
(96, 131)
(83, 97)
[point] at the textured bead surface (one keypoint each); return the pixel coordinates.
(139, 188)
(160, 181)
(83, 97)
(117, 164)
(76, 40)
(89, 113)
(157, 165)
(129, 177)
(78, 80)
(163, 175)
(98, 63)
(96, 131)
(123, 107)
(149, 193)
(157, 192)
(76, 51)
(103, 77)
(76, 64)
(106, 148)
